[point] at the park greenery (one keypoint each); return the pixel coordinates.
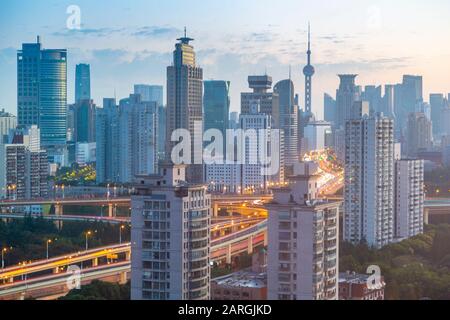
(417, 268)
(98, 290)
(27, 238)
(76, 175)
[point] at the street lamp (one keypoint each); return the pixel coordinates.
(47, 243)
(120, 233)
(4, 251)
(87, 235)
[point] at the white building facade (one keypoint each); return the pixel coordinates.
(369, 181)
(409, 198)
(303, 243)
(170, 238)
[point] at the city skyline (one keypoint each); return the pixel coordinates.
(122, 53)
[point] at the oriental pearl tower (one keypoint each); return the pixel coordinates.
(308, 71)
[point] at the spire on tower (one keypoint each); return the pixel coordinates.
(185, 39)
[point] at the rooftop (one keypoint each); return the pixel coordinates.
(243, 279)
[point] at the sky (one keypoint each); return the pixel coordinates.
(130, 42)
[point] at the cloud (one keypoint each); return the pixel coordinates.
(95, 32)
(156, 31)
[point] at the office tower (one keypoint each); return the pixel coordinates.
(288, 120)
(410, 93)
(308, 71)
(269, 102)
(346, 95)
(216, 107)
(154, 93)
(24, 167)
(82, 82)
(42, 91)
(388, 101)
(107, 141)
(369, 180)
(437, 104)
(418, 134)
(372, 94)
(257, 146)
(170, 237)
(303, 242)
(445, 121)
(84, 121)
(409, 198)
(329, 108)
(315, 134)
(8, 122)
(184, 104)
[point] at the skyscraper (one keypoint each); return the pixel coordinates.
(409, 198)
(437, 103)
(303, 242)
(184, 104)
(329, 106)
(308, 71)
(137, 125)
(150, 93)
(82, 82)
(154, 93)
(42, 93)
(84, 120)
(170, 237)
(255, 174)
(346, 95)
(369, 180)
(419, 135)
(107, 140)
(408, 95)
(216, 106)
(269, 102)
(288, 120)
(24, 167)
(7, 122)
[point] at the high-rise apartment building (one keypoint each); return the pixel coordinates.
(409, 198)
(303, 242)
(24, 168)
(170, 237)
(8, 122)
(42, 92)
(154, 93)
(107, 141)
(82, 82)
(127, 141)
(369, 180)
(258, 147)
(184, 105)
(288, 120)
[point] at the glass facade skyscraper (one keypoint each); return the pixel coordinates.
(82, 82)
(42, 91)
(216, 105)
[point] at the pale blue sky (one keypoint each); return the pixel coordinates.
(129, 42)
